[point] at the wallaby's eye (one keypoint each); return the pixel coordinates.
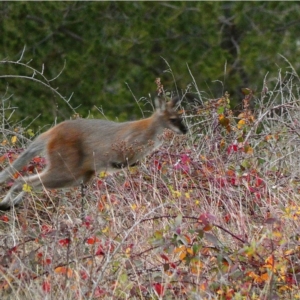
(174, 120)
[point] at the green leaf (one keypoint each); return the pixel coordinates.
(221, 109)
(123, 278)
(30, 132)
(178, 221)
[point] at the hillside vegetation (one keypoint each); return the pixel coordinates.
(211, 215)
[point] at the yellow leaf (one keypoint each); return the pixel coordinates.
(241, 124)
(289, 252)
(264, 277)
(133, 206)
(176, 194)
(14, 139)
(30, 132)
(64, 270)
(268, 137)
(27, 188)
(223, 120)
(190, 251)
(250, 251)
(179, 249)
(133, 169)
(222, 144)
(195, 269)
(255, 277)
(105, 229)
(248, 149)
(251, 119)
(228, 128)
(182, 255)
(277, 234)
(270, 260)
(102, 174)
(182, 252)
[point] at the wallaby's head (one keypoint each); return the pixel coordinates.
(168, 115)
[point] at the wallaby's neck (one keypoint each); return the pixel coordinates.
(151, 127)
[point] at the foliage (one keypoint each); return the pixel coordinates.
(213, 215)
(113, 51)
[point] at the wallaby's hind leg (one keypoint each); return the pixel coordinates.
(50, 179)
(46, 179)
(13, 197)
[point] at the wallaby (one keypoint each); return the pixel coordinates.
(77, 149)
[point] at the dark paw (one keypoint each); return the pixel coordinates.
(4, 207)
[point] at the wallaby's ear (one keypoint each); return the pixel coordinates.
(160, 103)
(174, 101)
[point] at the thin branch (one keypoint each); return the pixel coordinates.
(44, 81)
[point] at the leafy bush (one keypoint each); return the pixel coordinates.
(211, 215)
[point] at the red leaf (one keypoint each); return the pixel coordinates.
(185, 158)
(87, 221)
(84, 275)
(12, 250)
(99, 293)
(173, 265)
(100, 183)
(64, 242)
(46, 286)
(100, 250)
(259, 182)
(258, 195)
(227, 218)
(164, 257)
(159, 288)
(221, 182)
(46, 228)
(252, 189)
(206, 219)
(92, 240)
(38, 160)
(233, 181)
(4, 218)
(47, 261)
(157, 164)
(183, 163)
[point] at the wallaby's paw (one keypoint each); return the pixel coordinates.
(4, 206)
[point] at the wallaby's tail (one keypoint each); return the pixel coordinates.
(36, 147)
